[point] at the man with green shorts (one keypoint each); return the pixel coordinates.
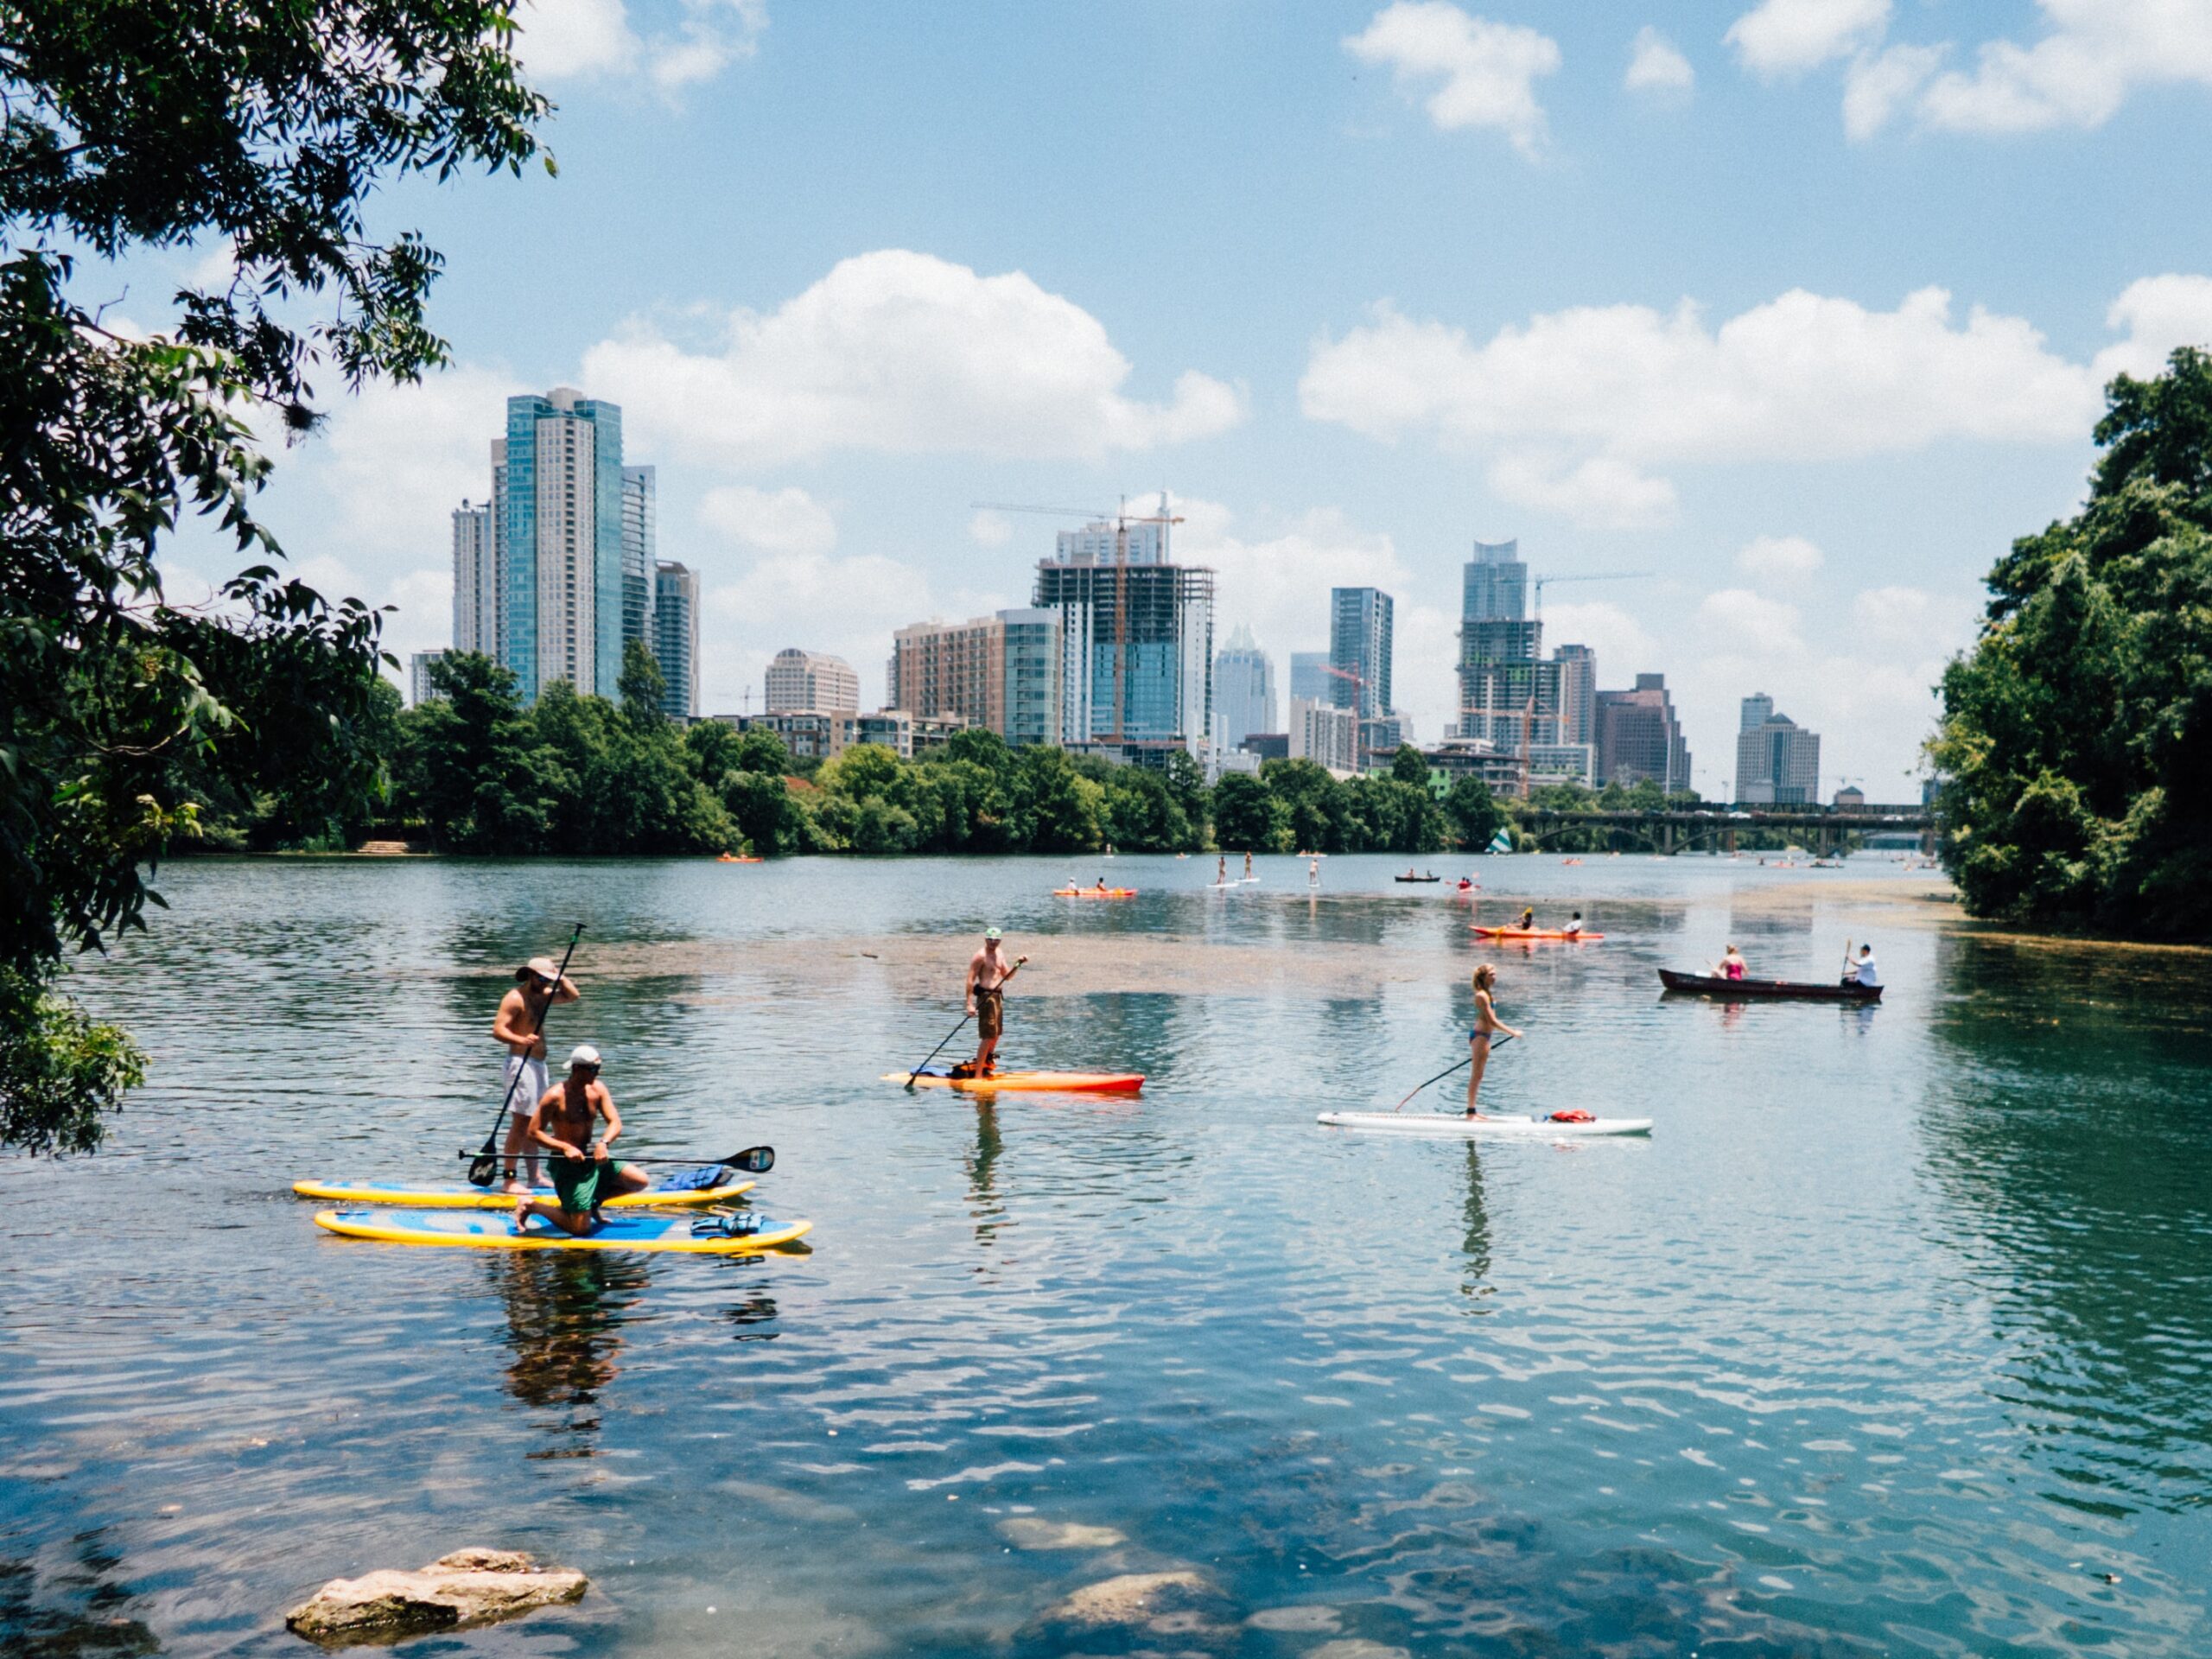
(585, 1174)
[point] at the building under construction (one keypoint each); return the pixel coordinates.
(1136, 641)
(1512, 697)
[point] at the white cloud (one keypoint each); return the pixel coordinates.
(1602, 492)
(582, 40)
(397, 460)
(1778, 560)
(902, 351)
(1786, 37)
(1897, 616)
(1489, 70)
(987, 529)
(1740, 622)
(1657, 64)
(2159, 313)
(1879, 84)
(1575, 408)
(2081, 71)
(1623, 645)
(772, 521)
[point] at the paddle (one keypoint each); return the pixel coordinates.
(1849, 977)
(487, 1165)
(964, 1019)
(753, 1160)
(1496, 1044)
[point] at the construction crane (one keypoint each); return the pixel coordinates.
(1122, 518)
(1543, 582)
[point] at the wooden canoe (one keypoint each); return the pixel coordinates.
(1785, 990)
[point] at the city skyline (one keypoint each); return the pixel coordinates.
(1719, 348)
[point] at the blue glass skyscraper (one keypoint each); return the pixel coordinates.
(559, 497)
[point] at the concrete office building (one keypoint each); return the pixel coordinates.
(1136, 642)
(640, 556)
(1325, 734)
(419, 690)
(675, 636)
(1577, 694)
(558, 489)
(1359, 650)
(1640, 738)
(803, 681)
(1243, 689)
(1001, 672)
(1310, 677)
(1778, 760)
(475, 581)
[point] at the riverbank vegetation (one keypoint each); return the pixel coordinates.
(474, 770)
(2073, 787)
(126, 713)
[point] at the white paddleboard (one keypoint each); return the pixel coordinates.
(1456, 1124)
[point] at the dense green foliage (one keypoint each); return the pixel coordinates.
(477, 772)
(124, 718)
(2071, 754)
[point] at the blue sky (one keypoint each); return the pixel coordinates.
(1806, 315)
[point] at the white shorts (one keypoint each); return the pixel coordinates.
(531, 1090)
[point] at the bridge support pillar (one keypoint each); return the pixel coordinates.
(1728, 840)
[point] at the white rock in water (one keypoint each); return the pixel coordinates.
(1131, 1598)
(1035, 1532)
(468, 1588)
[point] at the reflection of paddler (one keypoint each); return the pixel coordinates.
(564, 1312)
(984, 1205)
(1475, 1244)
(987, 973)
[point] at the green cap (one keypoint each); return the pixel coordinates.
(990, 933)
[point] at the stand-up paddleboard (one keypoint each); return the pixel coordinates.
(475, 1229)
(459, 1195)
(1456, 1124)
(1535, 933)
(1071, 1083)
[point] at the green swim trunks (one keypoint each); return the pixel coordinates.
(583, 1184)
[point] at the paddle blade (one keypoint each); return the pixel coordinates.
(484, 1168)
(753, 1160)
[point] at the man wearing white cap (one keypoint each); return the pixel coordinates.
(987, 973)
(585, 1174)
(518, 1024)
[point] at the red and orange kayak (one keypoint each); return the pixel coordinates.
(1094, 892)
(1068, 1082)
(1535, 933)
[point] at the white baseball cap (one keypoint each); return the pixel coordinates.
(583, 1054)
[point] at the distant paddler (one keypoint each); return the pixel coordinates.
(985, 991)
(520, 1024)
(1863, 971)
(585, 1174)
(1528, 923)
(1487, 1029)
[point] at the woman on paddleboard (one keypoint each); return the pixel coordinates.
(1487, 1026)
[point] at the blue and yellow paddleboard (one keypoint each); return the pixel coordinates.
(475, 1229)
(459, 1195)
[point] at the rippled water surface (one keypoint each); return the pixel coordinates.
(1894, 1337)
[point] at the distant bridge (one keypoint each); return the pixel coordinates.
(1675, 829)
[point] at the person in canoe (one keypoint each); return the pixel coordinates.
(1573, 926)
(987, 973)
(1527, 922)
(585, 1174)
(1487, 1026)
(1863, 971)
(1732, 965)
(521, 1019)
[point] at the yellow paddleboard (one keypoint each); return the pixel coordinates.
(475, 1229)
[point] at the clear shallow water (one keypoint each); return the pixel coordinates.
(1896, 1337)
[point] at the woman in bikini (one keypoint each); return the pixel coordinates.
(1487, 1026)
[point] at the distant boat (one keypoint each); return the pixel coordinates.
(1782, 989)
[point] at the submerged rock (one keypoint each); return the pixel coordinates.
(468, 1588)
(1179, 1608)
(1035, 1532)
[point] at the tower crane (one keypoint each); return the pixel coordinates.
(1122, 518)
(1543, 582)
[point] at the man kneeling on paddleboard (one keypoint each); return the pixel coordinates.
(585, 1174)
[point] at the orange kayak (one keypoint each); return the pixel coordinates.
(1535, 933)
(1071, 1082)
(736, 858)
(1094, 892)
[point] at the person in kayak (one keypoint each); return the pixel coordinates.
(987, 973)
(1574, 924)
(521, 1019)
(1487, 1026)
(1528, 919)
(585, 1174)
(1732, 965)
(1863, 971)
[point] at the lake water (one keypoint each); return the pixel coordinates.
(1894, 1337)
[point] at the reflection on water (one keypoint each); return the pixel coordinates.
(1891, 1340)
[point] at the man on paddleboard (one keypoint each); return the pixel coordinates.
(585, 1174)
(518, 1024)
(987, 973)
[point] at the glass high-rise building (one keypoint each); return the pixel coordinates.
(1778, 760)
(1577, 693)
(640, 555)
(475, 581)
(1359, 650)
(1243, 689)
(558, 489)
(675, 636)
(1136, 639)
(1310, 677)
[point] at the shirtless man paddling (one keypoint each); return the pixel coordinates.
(987, 973)
(585, 1174)
(518, 1024)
